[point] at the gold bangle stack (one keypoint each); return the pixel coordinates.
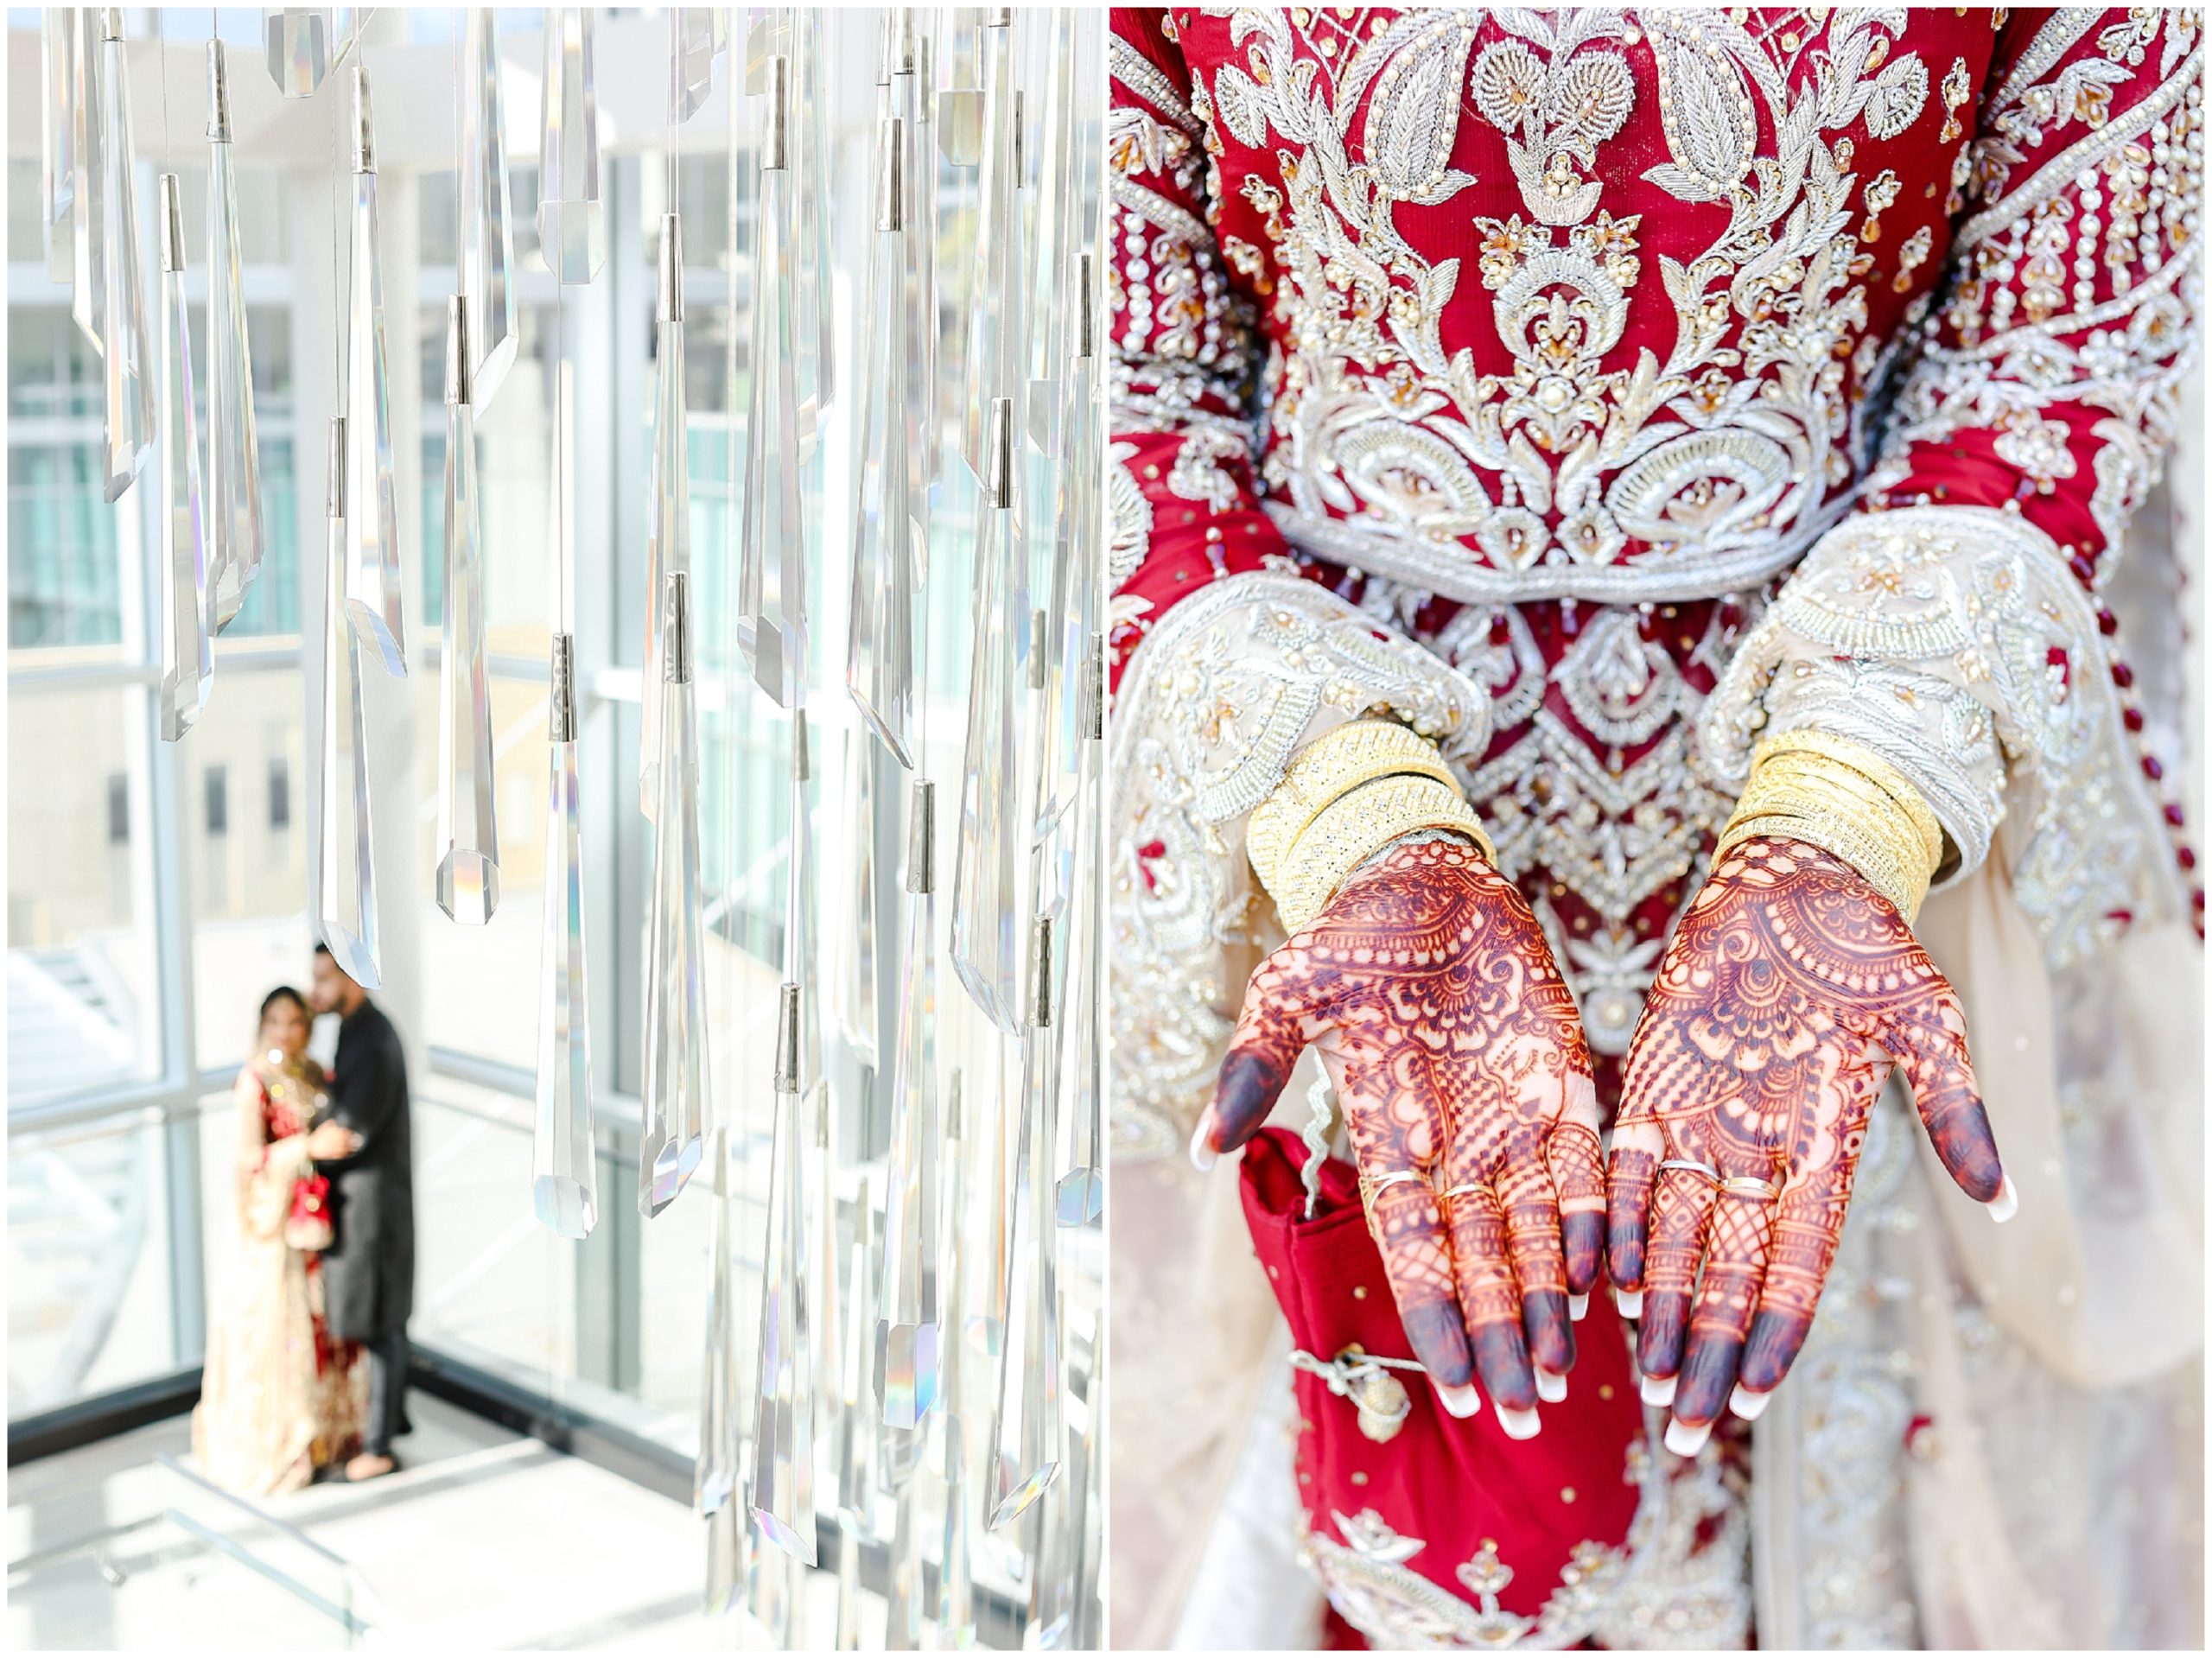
(1840, 797)
(1344, 797)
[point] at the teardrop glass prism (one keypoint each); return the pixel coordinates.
(909, 1334)
(88, 212)
(234, 543)
(1024, 1441)
(187, 670)
(346, 891)
(127, 359)
(571, 217)
(955, 1610)
(998, 353)
(813, 313)
(714, 1474)
(986, 918)
(675, 1093)
(564, 1163)
(879, 662)
(372, 591)
(783, 1439)
(59, 116)
(487, 244)
(304, 44)
(771, 577)
(668, 504)
(468, 830)
(853, 930)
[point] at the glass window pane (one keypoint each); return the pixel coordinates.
(83, 1003)
(89, 1303)
(248, 882)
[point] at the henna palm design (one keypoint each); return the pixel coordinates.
(1431, 995)
(1787, 994)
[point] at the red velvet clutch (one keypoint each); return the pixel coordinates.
(1514, 1534)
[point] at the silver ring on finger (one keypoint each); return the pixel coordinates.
(1691, 1165)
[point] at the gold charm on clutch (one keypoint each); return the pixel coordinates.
(1381, 1397)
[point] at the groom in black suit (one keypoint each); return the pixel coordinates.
(368, 1150)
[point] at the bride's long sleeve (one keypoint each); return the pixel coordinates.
(1230, 652)
(1953, 625)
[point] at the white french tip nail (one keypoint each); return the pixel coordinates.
(1687, 1441)
(1657, 1390)
(1578, 1307)
(1550, 1388)
(1462, 1402)
(1630, 1303)
(2005, 1204)
(1747, 1404)
(1203, 1156)
(1519, 1424)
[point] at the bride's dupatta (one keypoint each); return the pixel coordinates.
(255, 1429)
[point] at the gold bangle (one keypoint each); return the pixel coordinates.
(1869, 764)
(1842, 798)
(1354, 828)
(1324, 770)
(1871, 855)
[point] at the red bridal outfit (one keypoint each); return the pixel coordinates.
(1593, 392)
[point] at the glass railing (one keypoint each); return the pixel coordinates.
(155, 1557)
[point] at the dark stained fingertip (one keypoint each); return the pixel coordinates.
(1659, 1335)
(1502, 1358)
(1551, 1333)
(1963, 1141)
(1773, 1347)
(1582, 1237)
(1440, 1342)
(1249, 1086)
(1707, 1375)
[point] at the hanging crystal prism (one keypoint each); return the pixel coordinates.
(954, 1611)
(783, 1439)
(234, 540)
(1080, 1193)
(702, 36)
(853, 934)
(802, 939)
(813, 316)
(668, 508)
(59, 113)
(87, 143)
(729, 1529)
(344, 887)
(714, 1476)
(909, 1332)
(880, 666)
(564, 1165)
(959, 120)
(998, 352)
(487, 242)
(856, 1424)
(1025, 1423)
(127, 359)
(304, 45)
(469, 831)
(772, 578)
(912, 102)
(571, 217)
(188, 671)
(903, 1607)
(986, 925)
(674, 1096)
(373, 594)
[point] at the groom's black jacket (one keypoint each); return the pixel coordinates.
(369, 1269)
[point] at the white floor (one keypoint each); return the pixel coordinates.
(484, 1541)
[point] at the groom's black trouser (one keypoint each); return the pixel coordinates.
(387, 1357)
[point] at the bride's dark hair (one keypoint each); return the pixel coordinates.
(283, 992)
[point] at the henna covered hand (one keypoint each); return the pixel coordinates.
(1786, 995)
(1428, 990)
